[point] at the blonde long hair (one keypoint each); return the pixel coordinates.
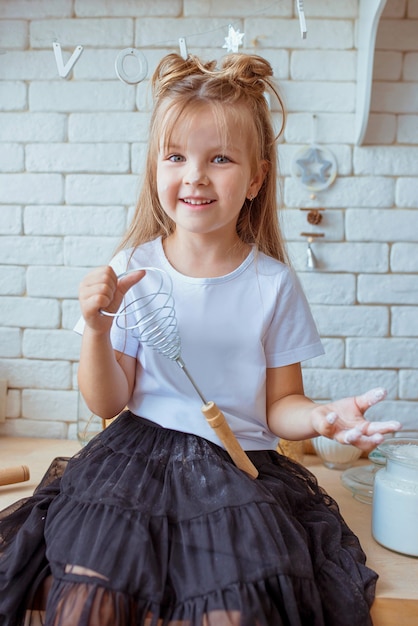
(180, 86)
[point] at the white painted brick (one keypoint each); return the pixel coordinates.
(351, 321)
(104, 127)
(322, 96)
(329, 128)
(13, 33)
(29, 65)
(10, 220)
(143, 98)
(138, 157)
(54, 282)
(89, 251)
(381, 225)
(45, 127)
(12, 280)
(83, 157)
(235, 8)
(35, 8)
(131, 8)
(96, 65)
(50, 344)
(29, 312)
(72, 431)
(74, 220)
(408, 385)
(410, 68)
(389, 289)
(323, 33)
(12, 157)
(324, 8)
(81, 96)
(342, 257)
(33, 188)
(384, 353)
(13, 404)
(324, 288)
(13, 96)
(294, 222)
(315, 65)
(288, 153)
(405, 412)
(59, 406)
(90, 32)
(90, 189)
(151, 32)
(407, 129)
(387, 65)
(38, 374)
(334, 355)
(389, 161)
(10, 342)
(407, 192)
(394, 97)
(404, 256)
(381, 129)
(404, 321)
(27, 428)
(356, 191)
(330, 384)
(397, 35)
(70, 315)
(31, 250)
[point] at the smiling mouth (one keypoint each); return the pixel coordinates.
(196, 202)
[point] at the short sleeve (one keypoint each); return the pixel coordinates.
(291, 336)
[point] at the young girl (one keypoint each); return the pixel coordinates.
(152, 523)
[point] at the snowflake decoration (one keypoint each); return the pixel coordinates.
(234, 40)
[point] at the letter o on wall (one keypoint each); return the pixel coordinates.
(136, 77)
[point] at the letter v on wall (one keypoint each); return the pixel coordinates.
(64, 70)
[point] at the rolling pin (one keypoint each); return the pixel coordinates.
(11, 475)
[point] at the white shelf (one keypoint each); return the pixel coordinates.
(369, 16)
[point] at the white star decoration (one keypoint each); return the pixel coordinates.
(234, 40)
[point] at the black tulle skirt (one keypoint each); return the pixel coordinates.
(152, 527)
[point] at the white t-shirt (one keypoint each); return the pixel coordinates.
(231, 329)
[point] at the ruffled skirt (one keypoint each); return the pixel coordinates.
(152, 527)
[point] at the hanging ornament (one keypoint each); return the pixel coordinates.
(141, 68)
(234, 40)
(64, 70)
(311, 260)
(314, 166)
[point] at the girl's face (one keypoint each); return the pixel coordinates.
(203, 178)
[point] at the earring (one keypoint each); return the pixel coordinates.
(251, 197)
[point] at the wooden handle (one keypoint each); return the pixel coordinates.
(10, 475)
(216, 420)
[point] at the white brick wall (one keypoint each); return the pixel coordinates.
(71, 152)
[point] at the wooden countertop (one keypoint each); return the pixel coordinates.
(397, 588)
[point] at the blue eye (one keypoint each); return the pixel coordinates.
(221, 158)
(176, 158)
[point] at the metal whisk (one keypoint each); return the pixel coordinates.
(153, 318)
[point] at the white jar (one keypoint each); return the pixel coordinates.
(335, 455)
(395, 497)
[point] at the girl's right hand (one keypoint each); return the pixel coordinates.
(101, 289)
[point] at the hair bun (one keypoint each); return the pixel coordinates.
(173, 69)
(251, 70)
